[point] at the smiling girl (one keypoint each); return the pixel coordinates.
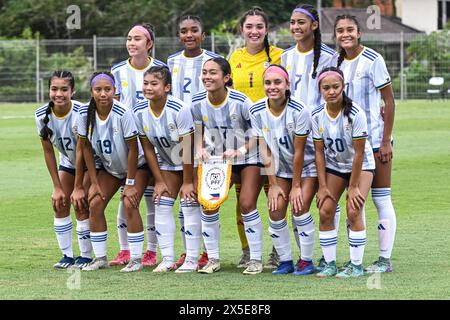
(367, 81)
(57, 127)
(128, 76)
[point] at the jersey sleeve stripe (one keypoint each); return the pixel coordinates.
(289, 49)
(118, 65)
(384, 85)
(317, 110)
(371, 58)
(174, 55)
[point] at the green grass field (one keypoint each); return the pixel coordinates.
(421, 258)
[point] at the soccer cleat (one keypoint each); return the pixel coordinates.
(351, 271)
(284, 267)
(180, 261)
(321, 264)
(64, 263)
(253, 267)
(165, 266)
(96, 264)
(303, 268)
(380, 266)
(346, 264)
(329, 270)
(122, 258)
(245, 258)
(203, 260)
(81, 262)
(212, 266)
(149, 259)
(189, 265)
(274, 260)
(134, 265)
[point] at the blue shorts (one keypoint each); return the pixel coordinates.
(344, 175)
(65, 169)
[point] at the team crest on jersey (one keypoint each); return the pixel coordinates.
(124, 84)
(146, 128)
(290, 127)
(321, 130)
(288, 68)
(115, 130)
(358, 74)
(266, 64)
(175, 71)
(265, 129)
(234, 117)
(205, 118)
(172, 127)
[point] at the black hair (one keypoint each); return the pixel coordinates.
(257, 11)
(225, 67)
(46, 132)
(92, 108)
(342, 53)
(191, 17)
(161, 72)
(288, 91)
(150, 28)
(347, 103)
(317, 36)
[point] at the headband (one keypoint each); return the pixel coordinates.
(300, 10)
(278, 70)
(330, 73)
(102, 76)
(148, 35)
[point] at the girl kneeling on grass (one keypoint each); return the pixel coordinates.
(344, 159)
(108, 128)
(56, 123)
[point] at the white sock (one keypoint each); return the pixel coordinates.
(193, 228)
(63, 230)
(387, 221)
(211, 234)
(295, 230)
(306, 235)
(254, 233)
(152, 240)
(84, 238)
(136, 241)
(182, 227)
(99, 240)
(165, 227)
(122, 225)
(328, 243)
(279, 233)
(357, 242)
(363, 216)
(337, 218)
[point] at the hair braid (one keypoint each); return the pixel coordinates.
(46, 132)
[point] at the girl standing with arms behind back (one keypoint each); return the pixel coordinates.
(247, 67)
(129, 76)
(366, 82)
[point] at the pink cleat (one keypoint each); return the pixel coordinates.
(149, 259)
(123, 257)
(180, 261)
(203, 260)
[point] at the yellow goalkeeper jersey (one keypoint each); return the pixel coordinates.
(247, 70)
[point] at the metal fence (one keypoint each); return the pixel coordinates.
(25, 65)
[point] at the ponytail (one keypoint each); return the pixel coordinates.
(347, 105)
(342, 55)
(46, 132)
(90, 122)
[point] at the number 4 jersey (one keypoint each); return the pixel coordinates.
(338, 134)
(109, 138)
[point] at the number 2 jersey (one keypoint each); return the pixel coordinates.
(226, 126)
(280, 131)
(364, 76)
(186, 74)
(338, 134)
(129, 81)
(109, 138)
(65, 131)
(164, 131)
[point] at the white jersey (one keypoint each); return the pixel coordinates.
(227, 126)
(109, 138)
(364, 76)
(129, 81)
(165, 131)
(338, 134)
(279, 132)
(300, 65)
(64, 129)
(186, 73)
